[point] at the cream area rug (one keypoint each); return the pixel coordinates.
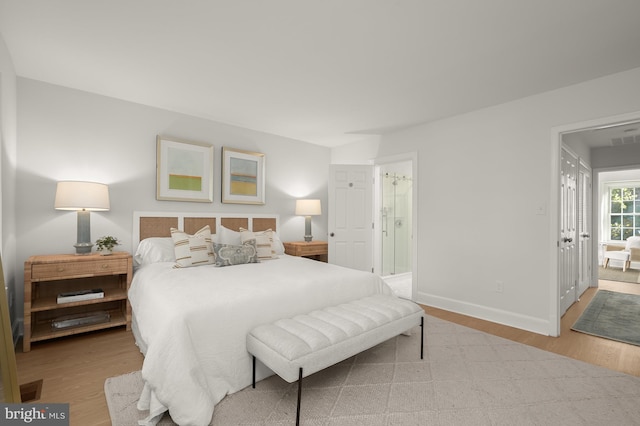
(467, 377)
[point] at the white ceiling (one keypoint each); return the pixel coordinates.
(328, 71)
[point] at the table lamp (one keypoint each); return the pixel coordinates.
(82, 197)
(308, 208)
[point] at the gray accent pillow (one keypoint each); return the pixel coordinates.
(229, 255)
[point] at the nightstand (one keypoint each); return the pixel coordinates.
(317, 250)
(47, 276)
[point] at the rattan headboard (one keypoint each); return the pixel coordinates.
(158, 224)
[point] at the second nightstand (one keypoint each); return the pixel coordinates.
(317, 250)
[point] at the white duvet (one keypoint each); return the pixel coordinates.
(192, 324)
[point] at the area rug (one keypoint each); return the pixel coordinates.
(616, 274)
(467, 377)
(612, 315)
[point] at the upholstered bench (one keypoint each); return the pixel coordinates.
(298, 347)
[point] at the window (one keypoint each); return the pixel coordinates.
(624, 212)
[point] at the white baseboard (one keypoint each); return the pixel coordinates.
(511, 319)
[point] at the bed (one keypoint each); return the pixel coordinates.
(191, 322)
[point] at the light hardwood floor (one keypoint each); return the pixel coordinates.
(594, 350)
(74, 369)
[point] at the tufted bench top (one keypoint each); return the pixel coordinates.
(324, 337)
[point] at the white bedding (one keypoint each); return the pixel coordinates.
(192, 324)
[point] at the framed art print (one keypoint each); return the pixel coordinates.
(243, 175)
(184, 171)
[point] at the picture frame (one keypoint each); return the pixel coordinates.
(184, 170)
(243, 176)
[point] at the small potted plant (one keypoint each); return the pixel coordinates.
(106, 244)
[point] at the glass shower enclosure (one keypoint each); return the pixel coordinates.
(396, 199)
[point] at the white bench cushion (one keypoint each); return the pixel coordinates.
(322, 338)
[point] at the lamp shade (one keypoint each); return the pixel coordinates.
(308, 208)
(74, 195)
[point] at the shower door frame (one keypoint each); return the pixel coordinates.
(377, 200)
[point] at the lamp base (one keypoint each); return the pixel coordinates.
(83, 248)
(84, 244)
(307, 229)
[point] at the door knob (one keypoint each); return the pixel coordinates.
(567, 240)
(331, 234)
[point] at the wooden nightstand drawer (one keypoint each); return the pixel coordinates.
(310, 249)
(314, 249)
(55, 271)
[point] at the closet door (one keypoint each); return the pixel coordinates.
(567, 259)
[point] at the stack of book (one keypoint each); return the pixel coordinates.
(78, 320)
(77, 296)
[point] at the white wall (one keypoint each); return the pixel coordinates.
(499, 163)
(619, 156)
(8, 173)
(65, 134)
(360, 152)
(484, 177)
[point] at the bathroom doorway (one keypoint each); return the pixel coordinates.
(395, 228)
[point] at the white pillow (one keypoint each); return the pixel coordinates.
(264, 242)
(192, 250)
(228, 236)
(154, 250)
(277, 246)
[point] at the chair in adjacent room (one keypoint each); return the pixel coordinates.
(627, 253)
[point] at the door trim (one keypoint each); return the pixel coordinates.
(554, 209)
(587, 197)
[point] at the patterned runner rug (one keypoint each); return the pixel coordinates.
(612, 315)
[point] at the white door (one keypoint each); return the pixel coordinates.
(567, 268)
(584, 228)
(350, 216)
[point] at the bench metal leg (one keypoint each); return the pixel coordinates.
(422, 338)
(299, 389)
(299, 397)
(254, 372)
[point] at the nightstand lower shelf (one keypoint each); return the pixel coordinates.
(43, 330)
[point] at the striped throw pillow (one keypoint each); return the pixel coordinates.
(192, 250)
(264, 242)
